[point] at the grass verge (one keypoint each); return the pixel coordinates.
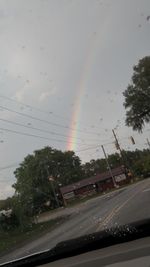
(13, 239)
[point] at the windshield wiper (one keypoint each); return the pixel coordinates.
(98, 240)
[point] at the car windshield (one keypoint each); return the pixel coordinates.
(74, 120)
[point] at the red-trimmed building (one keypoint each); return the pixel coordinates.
(98, 183)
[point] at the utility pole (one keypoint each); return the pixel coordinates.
(52, 186)
(117, 143)
(119, 148)
(109, 168)
(62, 196)
(148, 142)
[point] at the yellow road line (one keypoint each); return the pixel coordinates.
(115, 210)
(106, 219)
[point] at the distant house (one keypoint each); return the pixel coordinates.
(98, 183)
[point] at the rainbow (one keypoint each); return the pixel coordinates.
(75, 120)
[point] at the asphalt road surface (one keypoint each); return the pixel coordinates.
(116, 208)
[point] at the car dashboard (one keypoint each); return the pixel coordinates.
(133, 253)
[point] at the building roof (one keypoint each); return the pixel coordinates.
(92, 180)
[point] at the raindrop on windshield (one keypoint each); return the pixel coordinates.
(148, 18)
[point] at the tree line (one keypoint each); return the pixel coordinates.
(40, 176)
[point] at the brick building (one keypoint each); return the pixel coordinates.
(98, 183)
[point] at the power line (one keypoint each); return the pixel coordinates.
(49, 113)
(46, 112)
(95, 152)
(17, 163)
(93, 147)
(5, 180)
(37, 136)
(32, 107)
(45, 121)
(9, 166)
(85, 149)
(34, 128)
(43, 130)
(55, 133)
(38, 109)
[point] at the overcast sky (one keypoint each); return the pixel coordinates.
(50, 51)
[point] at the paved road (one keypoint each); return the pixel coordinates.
(120, 207)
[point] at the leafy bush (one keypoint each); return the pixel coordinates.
(8, 222)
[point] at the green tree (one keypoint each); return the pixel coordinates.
(115, 160)
(94, 167)
(142, 167)
(34, 188)
(6, 204)
(137, 96)
(137, 161)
